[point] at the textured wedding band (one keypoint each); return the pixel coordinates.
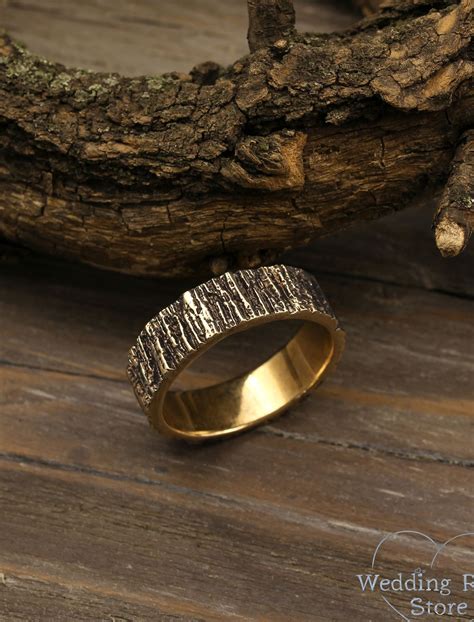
(201, 317)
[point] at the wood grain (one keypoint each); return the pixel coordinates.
(106, 520)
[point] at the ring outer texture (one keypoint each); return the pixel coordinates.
(206, 314)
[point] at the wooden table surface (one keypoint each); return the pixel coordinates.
(104, 520)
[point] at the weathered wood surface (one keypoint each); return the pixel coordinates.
(104, 520)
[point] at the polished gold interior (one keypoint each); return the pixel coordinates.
(252, 397)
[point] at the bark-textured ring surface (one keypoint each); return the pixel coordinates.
(208, 313)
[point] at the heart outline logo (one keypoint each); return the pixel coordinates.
(438, 548)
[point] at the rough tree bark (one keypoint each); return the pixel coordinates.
(227, 167)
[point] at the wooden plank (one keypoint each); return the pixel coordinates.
(395, 339)
(272, 525)
(201, 554)
(315, 474)
(65, 417)
(45, 596)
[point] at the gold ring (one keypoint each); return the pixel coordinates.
(206, 314)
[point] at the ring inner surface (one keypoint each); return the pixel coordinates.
(255, 395)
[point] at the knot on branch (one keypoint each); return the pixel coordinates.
(269, 21)
(273, 162)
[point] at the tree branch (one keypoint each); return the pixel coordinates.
(269, 21)
(454, 218)
(171, 174)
